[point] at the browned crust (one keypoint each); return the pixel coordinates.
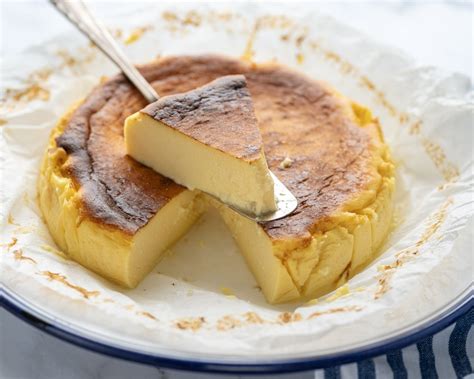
(219, 114)
(297, 117)
(116, 191)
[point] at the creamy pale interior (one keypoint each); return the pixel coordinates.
(195, 139)
(116, 217)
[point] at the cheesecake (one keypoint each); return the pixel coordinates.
(206, 139)
(116, 216)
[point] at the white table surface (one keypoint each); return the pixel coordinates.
(436, 33)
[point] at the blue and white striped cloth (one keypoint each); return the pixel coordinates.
(447, 354)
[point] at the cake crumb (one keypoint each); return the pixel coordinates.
(227, 291)
(286, 163)
(136, 34)
(299, 58)
(340, 292)
(287, 317)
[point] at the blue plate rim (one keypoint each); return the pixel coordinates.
(446, 317)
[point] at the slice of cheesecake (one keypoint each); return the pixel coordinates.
(206, 139)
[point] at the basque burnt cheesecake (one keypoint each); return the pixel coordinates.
(116, 216)
(206, 139)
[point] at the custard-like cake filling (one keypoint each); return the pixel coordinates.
(206, 139)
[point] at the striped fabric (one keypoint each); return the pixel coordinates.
(447, 354)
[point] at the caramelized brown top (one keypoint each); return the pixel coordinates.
(219, 114)
(297, 117)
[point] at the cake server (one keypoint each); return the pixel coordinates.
(80, 16)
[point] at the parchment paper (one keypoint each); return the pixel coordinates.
(201, 298)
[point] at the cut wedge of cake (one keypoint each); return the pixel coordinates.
(206, 139)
